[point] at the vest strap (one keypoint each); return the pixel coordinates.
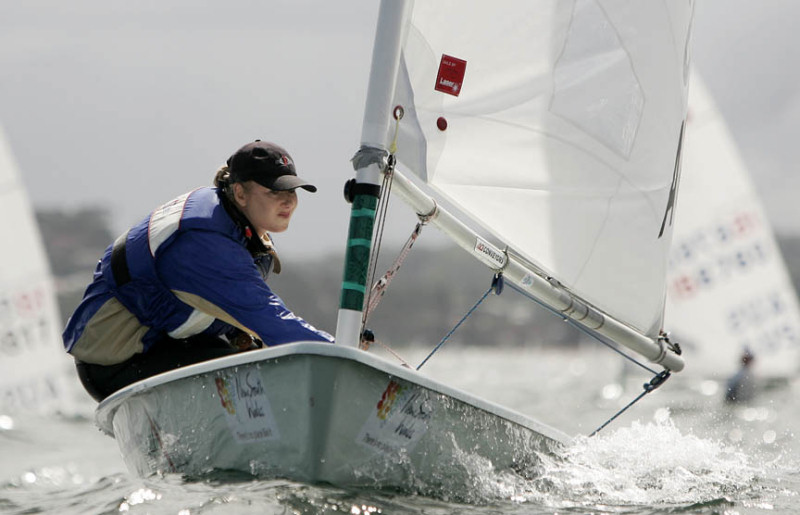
(119, 261)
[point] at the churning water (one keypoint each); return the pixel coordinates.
(679, 450)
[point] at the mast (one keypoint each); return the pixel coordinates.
(364, 190)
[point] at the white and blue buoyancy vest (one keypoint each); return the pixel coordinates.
(127, 272)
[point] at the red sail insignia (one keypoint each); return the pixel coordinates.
(451, 75)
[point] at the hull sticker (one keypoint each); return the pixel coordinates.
(398, 421)
(247, 409)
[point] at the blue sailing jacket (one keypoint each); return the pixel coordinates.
(188, 272)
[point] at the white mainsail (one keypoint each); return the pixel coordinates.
(32, 365)
(555, 130)
(728, 286)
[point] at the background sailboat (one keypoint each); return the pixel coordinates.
(33, 365)
(728, 286)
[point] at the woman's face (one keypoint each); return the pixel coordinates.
(267, 210)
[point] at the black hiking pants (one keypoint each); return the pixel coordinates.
(166, 354)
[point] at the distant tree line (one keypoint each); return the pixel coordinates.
(432, 291)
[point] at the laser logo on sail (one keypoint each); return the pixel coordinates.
(451, 75)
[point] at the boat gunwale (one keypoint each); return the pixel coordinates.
(104, 413)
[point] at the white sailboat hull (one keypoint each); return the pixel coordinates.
(317, 413)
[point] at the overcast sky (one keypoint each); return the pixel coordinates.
(128, 104)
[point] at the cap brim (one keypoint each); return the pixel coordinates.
(290, 182)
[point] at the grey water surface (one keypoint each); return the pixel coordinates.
(681, 449)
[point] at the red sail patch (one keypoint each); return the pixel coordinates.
(451, 75)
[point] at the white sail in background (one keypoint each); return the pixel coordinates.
(728, 286)
(556, 129)
(32, 362)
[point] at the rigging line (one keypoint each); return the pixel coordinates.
(391, 351)
(388, 176)
(584, 330)
(453, 330)
(654, 383)
(629, 358)
(379, 288)
(383, 204)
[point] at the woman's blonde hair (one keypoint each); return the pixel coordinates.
(223, 177)
(222, 180)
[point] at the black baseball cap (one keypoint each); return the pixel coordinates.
(267, 164)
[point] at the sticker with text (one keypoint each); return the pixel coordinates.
(451, 75)
(398, 421)
(247, 409)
